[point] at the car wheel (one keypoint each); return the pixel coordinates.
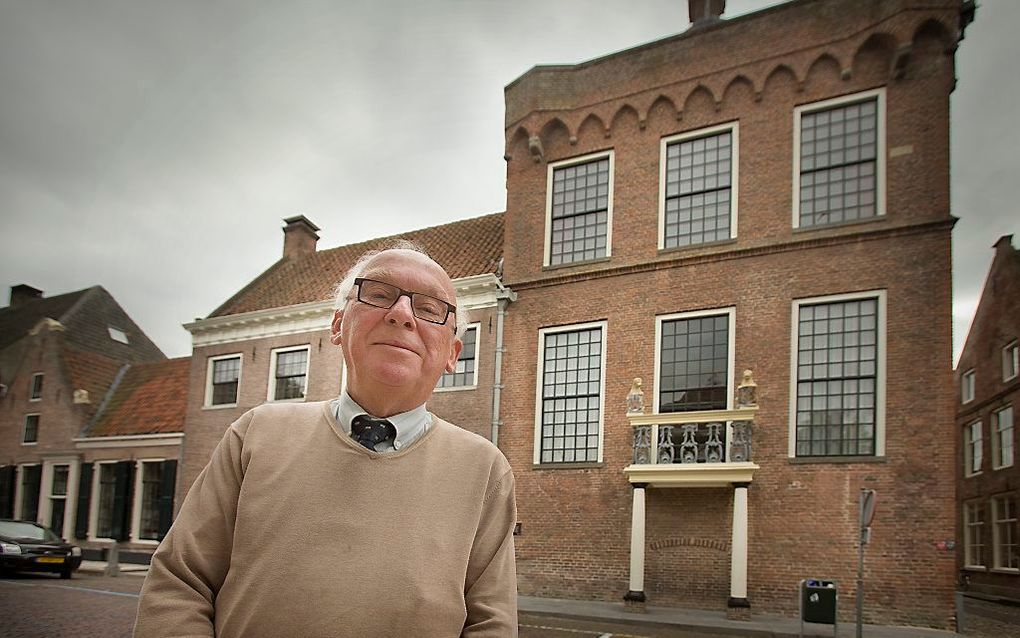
(65, 573)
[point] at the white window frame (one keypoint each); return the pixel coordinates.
(967, 385)
(996, 550)
(880, 151)
(136, 503)
(734, 128)
(1010, 361)
(540, 364)
(208, 404)
(94, 500)
(973, 448)
(880, 368)
(271, 390)
(551, 169)
(46, 496)
(998, 460)
(24, 429)
(31, 387)
(477, 326)
(117, 335)
(968, 535)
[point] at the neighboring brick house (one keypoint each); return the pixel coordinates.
(768, 192)
(270, 341)
(988, 467)
(68, 362)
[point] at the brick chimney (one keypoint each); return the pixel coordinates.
(23, 293)
(299, 236)
(702, 12)
(1003, 246)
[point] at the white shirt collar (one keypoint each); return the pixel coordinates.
(409, 425)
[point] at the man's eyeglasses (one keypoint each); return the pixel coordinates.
(384, 295)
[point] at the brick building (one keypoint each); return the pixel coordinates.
(91, 418)
(270, 341)
(768, 192)
(987, 474)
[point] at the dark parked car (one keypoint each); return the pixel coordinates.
(27, 546)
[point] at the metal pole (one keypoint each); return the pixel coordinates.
(860, 581)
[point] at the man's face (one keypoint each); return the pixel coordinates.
(394, 359)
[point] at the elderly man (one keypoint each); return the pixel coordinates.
(365, 516)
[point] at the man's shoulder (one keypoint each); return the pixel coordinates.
(289, 413)
(464, 440)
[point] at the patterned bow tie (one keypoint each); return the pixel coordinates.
(370, 431)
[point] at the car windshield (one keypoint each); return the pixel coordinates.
(27, 531)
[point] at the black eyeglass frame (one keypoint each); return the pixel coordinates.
(410, 294)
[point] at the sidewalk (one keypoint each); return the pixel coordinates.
(710, 622)
(99, 567)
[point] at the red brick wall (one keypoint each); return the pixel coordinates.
(996, 324)
(802, 516)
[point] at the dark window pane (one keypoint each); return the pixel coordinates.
(291, 372)
(465, 372)
(580, 204)
(697, 187)
(572, 372)
(694, 367)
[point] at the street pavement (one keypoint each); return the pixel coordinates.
(93, 604)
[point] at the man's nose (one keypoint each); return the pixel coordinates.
(400, 312)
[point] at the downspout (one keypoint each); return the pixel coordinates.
(504, 297)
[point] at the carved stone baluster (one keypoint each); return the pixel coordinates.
(667, 452)
(740, 447)
(714, 445)
(642, 444)
(689, 446)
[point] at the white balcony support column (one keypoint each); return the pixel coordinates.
(636, 593)
(738, 548)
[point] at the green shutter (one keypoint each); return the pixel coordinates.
(30, 484)
(124, 474)
(7, 491)
(81, 516)
(168, 478)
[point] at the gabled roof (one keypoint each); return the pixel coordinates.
(998, 310)
(87, 316)
(15, 322)
(150, 398)
(463, 248)
(92, 372)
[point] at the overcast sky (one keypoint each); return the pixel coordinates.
(154, 147)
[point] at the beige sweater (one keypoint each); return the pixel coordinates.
(295, 530)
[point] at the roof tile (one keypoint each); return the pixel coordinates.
(463, 248)
(150, 399)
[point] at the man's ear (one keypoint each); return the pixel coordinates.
(334, 335)
(455, 348)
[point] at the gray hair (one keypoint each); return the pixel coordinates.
(342, 292)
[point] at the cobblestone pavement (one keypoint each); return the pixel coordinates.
(87, 606)
(96, 606)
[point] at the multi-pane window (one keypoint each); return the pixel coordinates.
(107, 489)
(58, 498)
(973, 534)
(290, 374)
(1003, 448)
(974, 448)
(837, 370)
(464, 374)
(694, 363)
(224, 374)
(1010, 361)
(570, 400)
(30, 434)
(840, 160)
(1004, 533)
(148, 523)
(698, 182)
(967, 386)
(579, 210)
(35, 393)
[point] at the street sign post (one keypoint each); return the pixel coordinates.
(866, 514)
